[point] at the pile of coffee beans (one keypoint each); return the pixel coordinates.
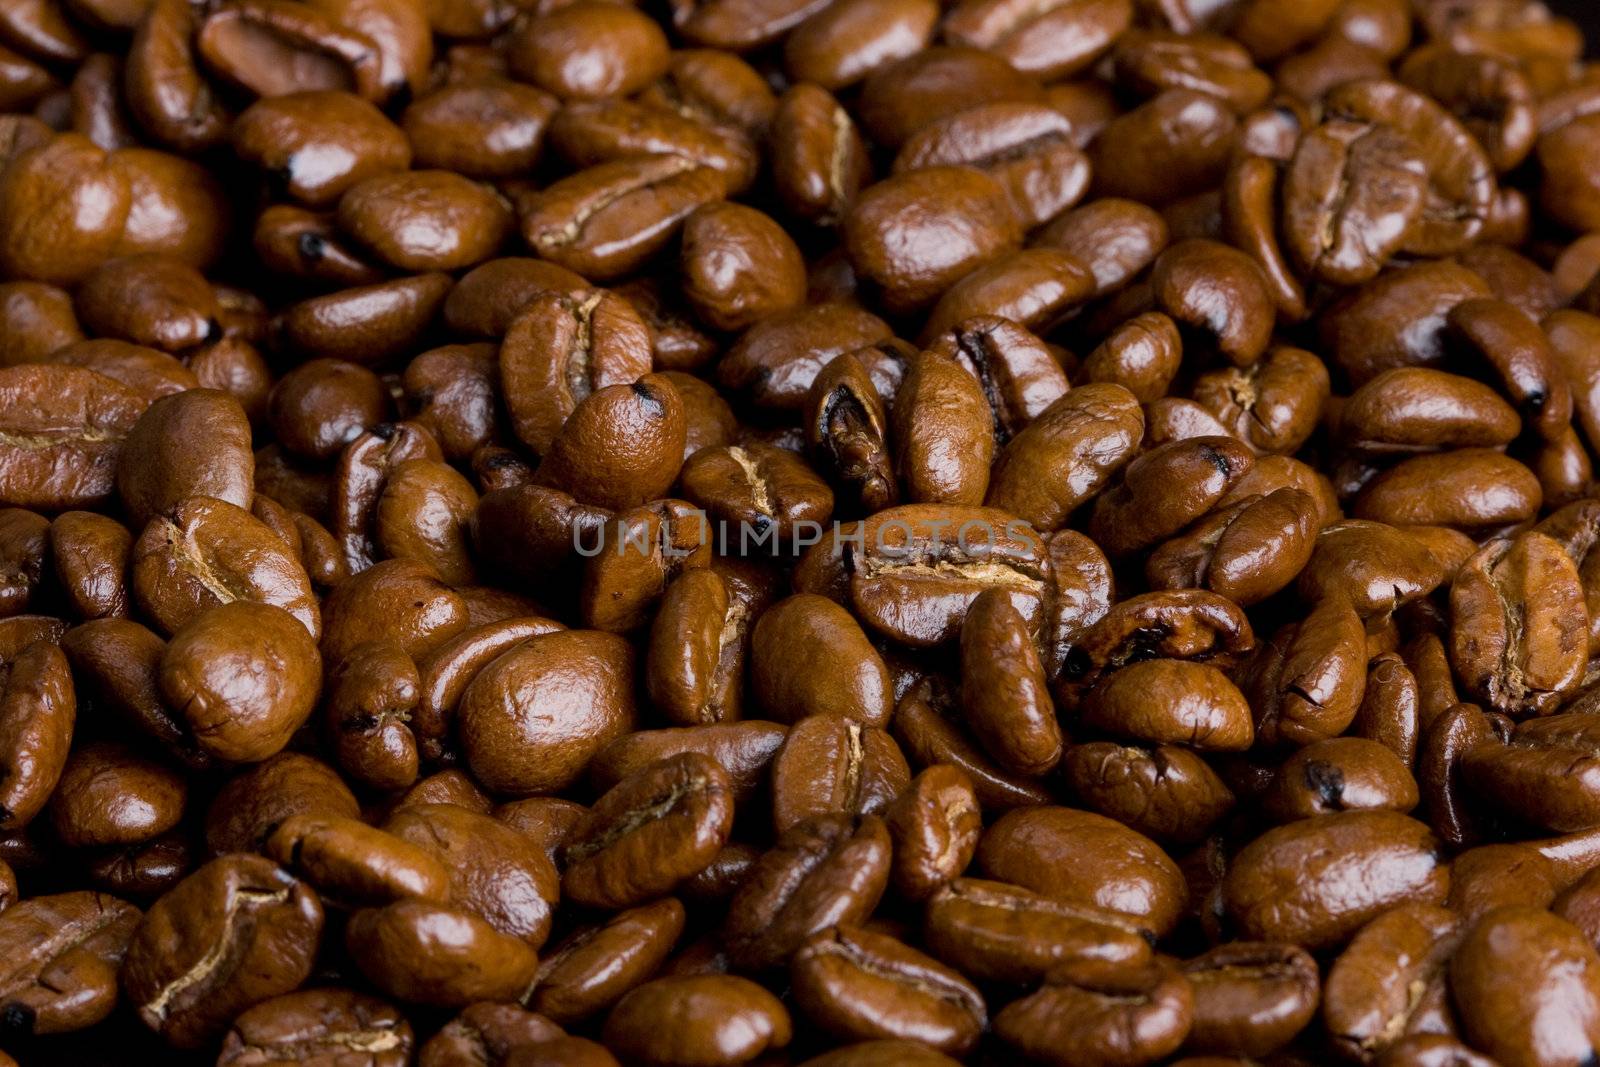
(845, 533)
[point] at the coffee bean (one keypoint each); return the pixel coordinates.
(238, 931)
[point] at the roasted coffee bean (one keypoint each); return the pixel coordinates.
(610, 219)
(430, 953)
(246, 677)
(354, 863)
(809, 656)
(714, 1019)
(494, 872)
(1521, 632)
(822, 872)
(998, 932)
(833, 765)
(912, 256)
(655, 828)
(743, 749)
(63, 953)
(913, 580)
(320, 1023)
(109, 794)
(858, 984)
(205, 552)
(1027, 847)
(40, 710)
(1250, 998)
(174, 426)
(1125, 1015)
(1341, 774)
(1497, 952)
(1166, 792)
(520, 752)
(64, 430)
(589, 971)
(1003, 687)
(1088, 434)
(238, 931)
(1314, 882)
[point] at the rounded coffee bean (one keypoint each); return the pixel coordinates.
(246, 676)
(238, 931)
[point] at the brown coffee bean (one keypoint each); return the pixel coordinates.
(1496, 955)
(157, 481)
(272, 49)
(833, 765)
(1005, 933)
(1166, 792)
(64, 209)
(847, 435)
(428, 953)
(610, 219)
(205, 552)
(1347, 239)
(486, 128)
(203, 668)
(1316, 881)
(1341, 774)
(621, 446)
(1003, 687)
(38, 319)
(315, 145)
(1165, 489)
(109, 794)
(655, 828)
(913, 581)
(822, 872)
(237, 932)
(1360, 330)
(1116, 239)
(1171, 146)
(515, 751)
(912, 255)
(743, 749)
(809, 656)
(62, 955)
(1050, 42)
(365, 324)
(1250, 998)
(250, 807)
(776, 361)
(319, 1023)
(1306, 683)
(398, 600)
(1521, 633)
(763, 491)
(934, 823)
(354, 863)
(40, 710)
(65, 428)
(495, 873)
(1088, 433)
(1027, 847)
(324, 404)
(1390, 981)
(858, 984)
(1172, 701)
(717, 1020)
(1127, 1015)
(1460, 176)
(589, 51)
(90, 554)
(591, 970)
